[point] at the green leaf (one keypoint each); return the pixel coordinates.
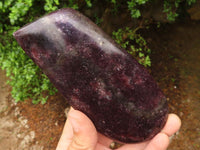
(135, 13)
(88, 2)
(56, 2)
(147, 61)
(1, 5)
(141, 54)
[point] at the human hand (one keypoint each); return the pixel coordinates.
(79, 133)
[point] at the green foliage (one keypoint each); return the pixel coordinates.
(51, 5)
(98, 20)
(26, 78)
(171, 7)
(89, 3)
(134, 43)
(133, 7)
(75, 4)
(19, 9)
(72, 4)
(190, 2)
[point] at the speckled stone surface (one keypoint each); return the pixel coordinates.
(95, 75)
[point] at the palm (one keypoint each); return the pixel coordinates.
(160, 141)
(80, 133)
(104, 144)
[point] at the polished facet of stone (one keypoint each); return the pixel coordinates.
(95, 75)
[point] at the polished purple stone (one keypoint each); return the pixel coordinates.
(95, 75)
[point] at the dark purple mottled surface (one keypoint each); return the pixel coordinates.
(95, 75)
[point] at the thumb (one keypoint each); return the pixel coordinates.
(84, 132)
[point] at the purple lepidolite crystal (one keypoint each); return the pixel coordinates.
(95, 75)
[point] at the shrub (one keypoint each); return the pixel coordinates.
(26, 78)
(134, 43)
